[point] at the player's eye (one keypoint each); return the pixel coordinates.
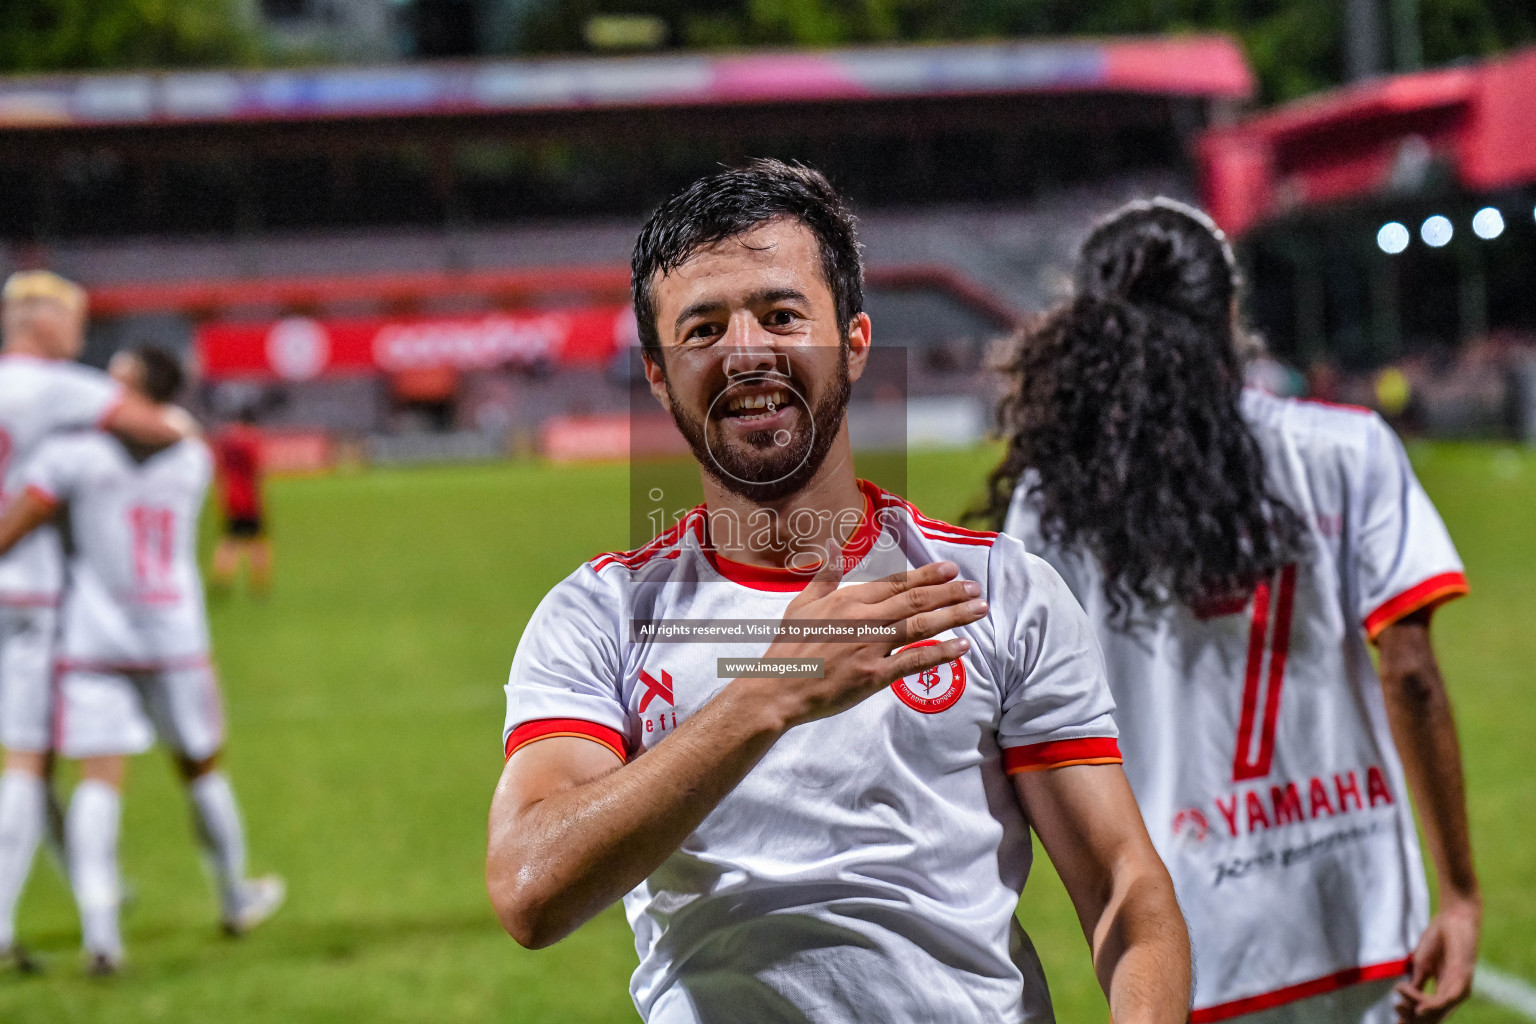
(782, 318)
(704, 333)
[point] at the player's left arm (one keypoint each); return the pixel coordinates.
(1424, 731)
(1088, 822)
(31, 509)
(1405, 565)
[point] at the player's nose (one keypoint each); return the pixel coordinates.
(748, 348)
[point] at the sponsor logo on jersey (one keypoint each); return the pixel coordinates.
(664, 719)
(1191, 825)
(1260, 808)
(934, 689)
(655, 688)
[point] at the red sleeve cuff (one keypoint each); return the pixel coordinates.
(1431, 593)
(1038, 757)
(42, 494)
(548, 728)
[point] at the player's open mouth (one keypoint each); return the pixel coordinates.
(760, 405)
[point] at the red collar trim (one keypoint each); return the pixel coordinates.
(765, 577)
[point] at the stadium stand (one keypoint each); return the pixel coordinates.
(193, 204)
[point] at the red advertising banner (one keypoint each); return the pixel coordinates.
(301, 348)
(296, 453)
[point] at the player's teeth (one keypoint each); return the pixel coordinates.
(773, 399)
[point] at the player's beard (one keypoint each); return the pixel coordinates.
(757, 468)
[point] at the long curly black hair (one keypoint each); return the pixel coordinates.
(1122, 413)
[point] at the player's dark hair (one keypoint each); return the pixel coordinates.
(735, 201)
(1122, 410)
(163, 375)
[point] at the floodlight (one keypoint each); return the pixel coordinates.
(1488, 223)
(1436, 231)
(1393, 238)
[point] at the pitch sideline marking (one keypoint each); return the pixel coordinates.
(1512, 993)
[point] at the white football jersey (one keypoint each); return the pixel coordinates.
(869, 867)
(135, 599)
(1256, 736)
(38, 398)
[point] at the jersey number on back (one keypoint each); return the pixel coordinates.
(1269, 641)
(154, 539)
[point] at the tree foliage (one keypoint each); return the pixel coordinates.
(68, 35)
(1296, 46)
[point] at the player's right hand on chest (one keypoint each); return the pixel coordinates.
(920, 603)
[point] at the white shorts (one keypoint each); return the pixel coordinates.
(103, 712)
(27, 636)
(1367, 1003)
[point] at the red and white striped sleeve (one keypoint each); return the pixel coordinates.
(1404, 560)
(566, 674)
(1057, 708)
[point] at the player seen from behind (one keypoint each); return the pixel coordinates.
(1236, 553)
(43, 391)
(844, 848)
(134, 649)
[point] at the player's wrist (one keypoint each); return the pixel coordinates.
(1461, 901)
(762, 705)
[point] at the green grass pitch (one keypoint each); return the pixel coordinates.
(365, 706)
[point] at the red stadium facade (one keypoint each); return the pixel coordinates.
(1475, 122)
(1392, 224)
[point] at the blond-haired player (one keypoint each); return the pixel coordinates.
(43, 391)
(134, 658)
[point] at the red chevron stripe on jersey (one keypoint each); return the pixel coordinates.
(1038, 757)
(937, 529)
(549, 728)
(655, 547)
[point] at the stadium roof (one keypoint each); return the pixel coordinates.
(1205, 66)
(1380, 138)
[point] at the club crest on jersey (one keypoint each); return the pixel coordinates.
(933, 689)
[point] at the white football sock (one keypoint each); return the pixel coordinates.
(22, 802)
(217, 816)
(91, 828)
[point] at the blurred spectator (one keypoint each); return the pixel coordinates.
(1269, 374)
(1323, 380)
(237, 463)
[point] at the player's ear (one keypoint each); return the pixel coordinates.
(859, 337)
(656, 376)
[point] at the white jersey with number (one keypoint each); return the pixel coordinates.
(39, 398)
(1256, 736)
(136, 596)
(869, 867)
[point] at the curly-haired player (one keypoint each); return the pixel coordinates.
(1236, 553)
